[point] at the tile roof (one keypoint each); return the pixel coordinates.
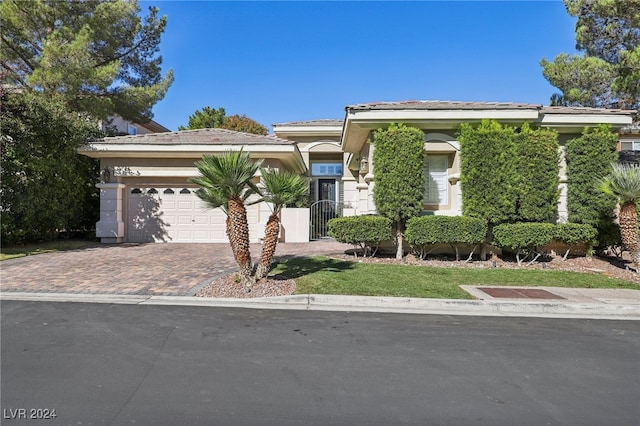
(196, 137)
(328, 122)
(441, 105)
(464, 105)
(631, 129)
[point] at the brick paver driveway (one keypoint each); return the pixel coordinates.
(145, 269)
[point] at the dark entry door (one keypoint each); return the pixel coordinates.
(326, 189)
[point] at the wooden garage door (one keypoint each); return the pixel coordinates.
(176, 215)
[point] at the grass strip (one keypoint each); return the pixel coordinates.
(48, 247)
(323, 275)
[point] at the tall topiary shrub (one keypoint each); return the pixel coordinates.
(488, 173)
(537, 165)
(398, 161)
(588, 159)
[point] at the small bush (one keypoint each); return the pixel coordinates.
(367, 232)
(453, 230)
(609, 239)
(523, 237)
(572, 234)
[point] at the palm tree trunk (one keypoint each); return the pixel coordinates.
(271, 233)
(628, 221)
(238, 232)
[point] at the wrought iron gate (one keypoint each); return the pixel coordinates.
(321, 212)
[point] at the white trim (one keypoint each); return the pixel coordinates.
(577, 119)
(307, 130)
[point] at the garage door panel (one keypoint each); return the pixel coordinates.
(186, 205)
(168, 205)
(202, 220)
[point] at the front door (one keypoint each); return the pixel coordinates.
(326, 189)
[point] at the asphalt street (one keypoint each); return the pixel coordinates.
(107, 364)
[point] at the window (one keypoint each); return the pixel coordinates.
(326, 169)
(630, 145)
(436, 186)
(131, 129)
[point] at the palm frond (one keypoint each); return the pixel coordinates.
(283, 188)
(622, 182)
(232, 172)
(214, 199)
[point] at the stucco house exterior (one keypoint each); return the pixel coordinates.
(145, 195)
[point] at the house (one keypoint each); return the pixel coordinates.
(121, 126)
(439, 121)
(146, 197)
(629, 144)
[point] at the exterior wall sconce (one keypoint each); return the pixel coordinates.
(364, 166)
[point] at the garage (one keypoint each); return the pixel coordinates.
(176, 214)
(145, 194)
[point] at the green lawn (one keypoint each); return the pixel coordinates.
(31, 249)
(322, 275)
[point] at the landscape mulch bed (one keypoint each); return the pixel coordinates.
(228, 286)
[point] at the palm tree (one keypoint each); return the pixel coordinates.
(282, 189)
(226, 182)
(624, 183)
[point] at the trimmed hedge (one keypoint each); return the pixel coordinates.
(537, 164)
(523, 237)
(488, 171)
(367, 232)
(453, 230)
(573, 234)
(398, 165)
(527, 237)
(589, 158)
(576, 233)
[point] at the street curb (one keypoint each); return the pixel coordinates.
(404, 305)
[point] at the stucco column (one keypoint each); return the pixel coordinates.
(110, 227)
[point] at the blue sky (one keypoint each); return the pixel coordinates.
(287, 61)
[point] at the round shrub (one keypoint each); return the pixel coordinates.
(453, 230)
(523, 237)
(367, 232)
